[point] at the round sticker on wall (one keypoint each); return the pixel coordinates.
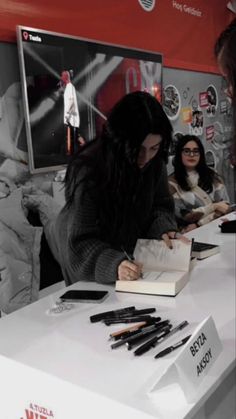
(171, 102)
(212, 100)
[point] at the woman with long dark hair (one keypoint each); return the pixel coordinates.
(198, 191)
(117, 192)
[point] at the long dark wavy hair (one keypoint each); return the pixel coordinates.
(225, 52)
(111, 159)
(207, 176)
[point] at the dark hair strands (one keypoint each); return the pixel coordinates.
(111, 159)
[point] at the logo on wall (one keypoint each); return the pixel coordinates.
(37, 412)
(171, 102)
(26, 36)
(147, 5)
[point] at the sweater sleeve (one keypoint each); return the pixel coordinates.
(163, 217)
(187, 213)
(83, 256)
(220, 193)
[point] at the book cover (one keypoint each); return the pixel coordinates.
(165, 271)
(202, 250)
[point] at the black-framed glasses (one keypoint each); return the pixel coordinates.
(191, 151)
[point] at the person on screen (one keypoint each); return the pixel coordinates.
(198, 191)
(116, 191)
(71, 114)
(225, 53)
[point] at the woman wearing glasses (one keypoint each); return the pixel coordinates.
(198, 191)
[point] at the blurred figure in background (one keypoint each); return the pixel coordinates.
(225, 52)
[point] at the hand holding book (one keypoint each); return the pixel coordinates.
(165, 270)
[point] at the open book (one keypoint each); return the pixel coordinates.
(165, 271)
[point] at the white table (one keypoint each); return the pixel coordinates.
(78, 361)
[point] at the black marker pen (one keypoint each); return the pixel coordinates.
(100, 316)
(146, 337)
(108, 321)
(173, 347)
(141, 334)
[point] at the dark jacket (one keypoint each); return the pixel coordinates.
(88, 252)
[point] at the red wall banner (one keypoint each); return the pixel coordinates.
(184, 31)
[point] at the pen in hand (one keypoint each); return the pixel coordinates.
(131, 259)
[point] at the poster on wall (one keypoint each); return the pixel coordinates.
(69, 86)
(171, 102)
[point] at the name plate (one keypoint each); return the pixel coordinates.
(193, 362)
(198, 356)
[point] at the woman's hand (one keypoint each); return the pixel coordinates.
(221, 207)
(168, 236)
(173, 235)
(129, 271)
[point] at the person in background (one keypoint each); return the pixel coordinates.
(116, 191)
(71, 114)
(199, 193)
(225, 53)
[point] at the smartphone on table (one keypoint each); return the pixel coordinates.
(84, 296)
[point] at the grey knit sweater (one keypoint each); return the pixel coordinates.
(86, 252)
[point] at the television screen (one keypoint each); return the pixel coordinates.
(69, 86)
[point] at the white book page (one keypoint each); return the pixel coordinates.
(156, 256)
(163, 276)
(151, 276)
